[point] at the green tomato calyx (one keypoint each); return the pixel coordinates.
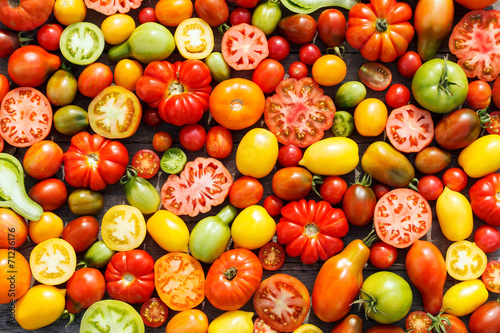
(381, 25)
(444, 81)
(438, 322)
(370, 304)
(230, 273)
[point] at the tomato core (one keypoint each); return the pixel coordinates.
(381, 25)
(230, 273)
(236, 104)
(14, 3)
(129, 278)
(93, 159)
(311, 230)
(175, 88)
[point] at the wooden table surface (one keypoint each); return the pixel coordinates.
(114, 194)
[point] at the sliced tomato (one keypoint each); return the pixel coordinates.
(194, 38)
(203, 183)
(494, 124)
(260, 326)
(491, 276)
(82, 43)
(179, 281)
(409, 128)
(123, 228)
(375, 76)
(401, 217)
(244, 46)
(146, 163)
(109, 7)
(299, 112)
(475, 41)
(25, 117)
(53, 261)
(465, 261)
(154, 312)
(272, 256)
(122, 317)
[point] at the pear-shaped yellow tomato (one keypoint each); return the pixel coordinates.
(192, 321)
(481, 157)
(257, 153)
(333, 156)
(465, 297)
(454, 214)
(40, 306)
(169, 231)
(117, 28)
(231, 322)
(253, 228)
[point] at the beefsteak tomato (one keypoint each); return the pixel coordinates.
(244, 46)
(25, 15)
(485, 199)
(110, 7)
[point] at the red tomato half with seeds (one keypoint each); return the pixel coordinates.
(154, 312)
(491, 276)
(244, 47)
(272, 256)
(146, 162)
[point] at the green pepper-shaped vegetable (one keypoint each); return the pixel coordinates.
(12, 191)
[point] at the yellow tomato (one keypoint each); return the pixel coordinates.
(169, 231)
(67, 12)
(172, 12)
(370, 117)
(257, 153)
(53, 261)
(15, 276)
(464, 297)
(333, 156)
(465, 261)
(231, 322)
(308, 328)
(48, 226)
(194, 38)
(481, 157)
(123, 228)
(127, 73)
(117, 28)
(192, 321)
(329, 70)
(454, 214)
(252, 228)
(40, 306)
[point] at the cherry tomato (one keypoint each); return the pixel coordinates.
(383, 255)
(268, 74)
(479, 95)
(297, 70)
(272, 204)
(309, 53)
(487, 238)
(162, 141)
(48, 226)
(193, 137)
(48, 36)
(289, 155)
(219, 142)
(50, 193)
(455, 179)
(154, 312)
(490, 276)
(329, 70)
(380, 190)
(333, 189)
(408, 64)
(85, 287)
(151, 117)
(240, 15)
(375, 76)
(494, 124)
(147, 14)
(430, 187)
(397, 96)
(146, 162)
(279, 48)
(272, 256)
(245, 192)
(81, 232)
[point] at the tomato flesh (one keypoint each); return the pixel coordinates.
(146, 162)
(491, 276)
(154, 312)
(244, 46)
(272, 256)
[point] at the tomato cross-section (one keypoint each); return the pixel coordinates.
(123, 228)
(53, 261)
(244, 46)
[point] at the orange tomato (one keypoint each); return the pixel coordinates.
(13, 285)
(127, 72)
(193, 321)
(329, 70)
(67, 12)
(15, 229)
(172, 12)
(48, 226)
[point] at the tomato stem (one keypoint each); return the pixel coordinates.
(413, 184)
(444, 83)
(223, 28)
(438, 322)
(336, 50)
(66, 314)
(370, 239)
(131, 173)
(230, 273)
(381, 25)
(484, 117)
(317, 180)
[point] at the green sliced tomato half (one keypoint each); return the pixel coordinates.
(111, 316)
(173, 161)
(82, 43)
(343, 124)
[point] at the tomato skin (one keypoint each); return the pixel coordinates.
(370, 117)
(67, 12)
(26, 14)
(333, 189)
(350, 324)
(397, 96)
(487, 238)
(154, 312)
(380, 190)
(162, 141)
(455, 179)
(458, 129)
(219, 143)
(240, 15)
(117, 28)
(292, 183)
(171, 13)
(385, 329)
(486, 318)
(359, 202)
(81, 232)
(50, 193)
(430, 187)
(48, 36)
(62, 88)
(9, 42)
(268, 75)
(214, 12)
(298, 28)
(169, 231)
(4, 87)
(192, 137)
(332, 27)
(22, 276)
(71, 119)
(454, 214)
(31, 65)
(480, 158)
(272, 204)
(279, 48)
(257, 153)
(383, 255)
(408, 64)
(253, 228)
(194, 321)
(16, 225)
(84, 288)
(127, 72)
(43, 159)
(325, 66)
(465, 297)
(85, 202)
(48, 226)
(479, 95)
(484, 199)
(94, 78)
(245, 191)
(266, 16)
(431, 160)
(297, 70)
(147, 14)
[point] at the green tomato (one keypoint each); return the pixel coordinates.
(219, 69)
(343, 124)
(82, 43)
(440, 86)
(71, 119)
(267, 16)
(350, 94)
(173, 160)
(111, 316)
(253, 228)
(85, 202)
(140, 193)
(98, 255)
(257, 153)
(62, 88)
(231, 322)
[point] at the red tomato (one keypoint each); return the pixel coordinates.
(244, 46)
(130, 277)
(359, 202)
(43, 159)
(9, 42)
(486, 317)
(292, 183)
(16, 229)
(214, 12)
(475, 4)
(85, 287)
(333, 189)
(272, 204)
(219, 142)
(111, 7)
(245, 192)
(385, 329)
(409, 128)
(147, 14)
(350, 324)
(240, 15)
(50, 193)
(487, 238)
(455, 178)
(245, 3)
(151, 117)
(298, 28)
(94, 78)
(272, 256)
(25, 131)
(193, 137)
(25, 15)
(375, 76)
(494, 124)
(408, 64)
(260, 326)
(496, 93)
(268, 75)
(484, 195)
(282, 302)
(279, 48)
(146, 163)
(418, 322)
(479, 95)
(380, 190)
(162, 141)
(332, 28)
(491, 276)
(31, 65)
(81, 232)
(154, 312)
(289, 155)
(297, 70)
(309, 53)
(4, 86)
(48, 36)
(397, 96)
(383, 255)
(430, 187)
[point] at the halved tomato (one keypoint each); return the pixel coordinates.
(260, 326)
(146, 163)
(154, 312)
(494, 124)
(272, 256)
(53, 261)
(82, 43)
(122, 317)
(465, 261)
(123, 228)
(194, 38)
(375, 76)
(108, 7)
(491, 276)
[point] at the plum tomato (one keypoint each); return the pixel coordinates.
(272, 204)
(289, 155)
(487, 238)
(94, 78)
(219, 143)
(430, 187)
(240, 15)
(43, 159)
(479, 95)
(162, 141)
(297, 70)
(272, 256)
(333, 189)
(397, 96)
(455, 178)
(193, 137)
(81, 232)
(408, 64)
(279, 48)
(383, 255)
(50, 193)
(245, 192)
(154, 312)
(309, 53)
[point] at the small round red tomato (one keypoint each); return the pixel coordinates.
(397, 96)
(146, 162)
(81, 232)
(162, 141)
(494, 124)
(380, 190)
(479, 95)
(4, 86)
(154, 312)
(48, 36)
(43, 159)
(50, 193)
(487, 238)
(297, 70)
(240, 15)
(408, 64)
(272, 204)
(272, 256)
(245, 192)
(85, 287)
(418, 322)
(430, 187)
(268, 74)
(309, 53)
(151, 117)
(375, 76)
(491, 276)
(333, 189)
(94, 78)
(219, 142)
(16, 230)
(193, 137)
(455, 178)
(147, 14)
(279, 48)
(289, 155)
(383, 255)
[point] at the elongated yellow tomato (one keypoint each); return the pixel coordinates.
(333, 156)
(169, 231)
(454, 214)
(40, 306)
(370, 117)
(465, 297)
(231, 322)
(481, 157)
(192, 321)
(253, 228)
(257, 153)
(194, 38)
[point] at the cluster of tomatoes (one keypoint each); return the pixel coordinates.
(283, 187)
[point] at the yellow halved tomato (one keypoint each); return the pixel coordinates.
(53, 261)
(194, 38)
(465, 260)
(115, 113)
(123, 228)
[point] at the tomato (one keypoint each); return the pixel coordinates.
(487, 238)
(173, 161)
(127, 73)
(207, 187)
(15, 275)
(67, 12)
(479, 158)
(408, 64)
(289, 296)
(332, 189)
(298, 28)
(440, 86)
(257, 153)
(9, 41)
(98, 255)
(484, 198)
(332, 28)
(244, 47)
(308, 328)
(48, 36)
(260, 326)
(162, 141)
(485, 318)
(245, 3)
(193, 321)
(16, 229)
(25, 131)
(154, 312)
(219, 143)
(455, 179)
(53, 261)
(494, 124)
(4, 86)
(25, 15)
(105, 312)
(272, 256)
(150, 116)
(479, 95)
(359, 202)
(194, 38)
(370, 117)
(43, 159)
(147, 14)
(309, 53)
(430, 187)
(397, 96)
(329, 70)
(214, 12)
(219, 69)
(146, 162)
(465, 261)
(93, 161)
(350, 94)
(383, 255)
(171, 13)
(82, 43)
(431, 160)
(169, 231)
(109, 8)
(81, 232)
(240, 15)
(245, 191)
(62, 88)
(491, 276)
(70, 120)
(31, 65)
(130, 277)
(374, 75)
(94, 78)
(292, 183)
(253, 228)
(50, 193)
(279, 48)
(179, 281)
(272, 204)
(84, 288)
(418, 322)
(232, 321)
(192, 137)
(117, 28)
(266, 16)
(454, 214)
(465, 297)
(43, 302)
(459, 128)
(85, 202)
(350, 324)
(123, 228)
(297, 70)
(268, 74)
(385, 329)
(48, 226)
(380, 190)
